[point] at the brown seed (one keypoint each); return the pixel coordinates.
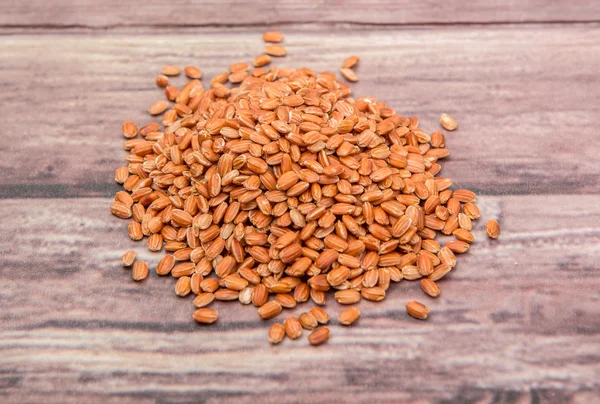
(162, 80)
(349, 296)
(293, 328)
(440, 271)
(318, 297)
(326, 258)
(121, 174)
(464, 235)
(121, 210)
(308, 321)
(273, 36)
(192, 72)
(424, 265)
(319, 336)
(350, 62)
(238, 67)
(395, 274)
(234, 282)
(269, 310)
(226, 295)
(276, 333)
(471, 210)
(301, 292)
(183, 269)
(238, 77)
(155, 242)
(139, 271)
(275, 50)
(129, 129)
(349, 74)
(448, 122)
(171, 70)
(183, 286)
(209, 285)
(411, 273)
(204, 299)
(437, 139)
(286, 300)
(320, 315)
(205, 316)
(417, 310)
(338, 275)
(447, 257)
(171, 92)
(128, 258)
(464, 222)
(134, 230)
(463, 195)
(374, 294)
(349, 316)
(430, 287)
(181, 217)
(158, 107)
(261, 60)
(260, 295)
(457, 246)
(492, 228)
(165, 265)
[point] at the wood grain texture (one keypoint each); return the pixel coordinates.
(526, 98)
(179, 13)
(518, 319)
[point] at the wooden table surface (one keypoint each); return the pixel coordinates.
(519, 318)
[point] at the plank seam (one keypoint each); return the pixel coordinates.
(59, 27)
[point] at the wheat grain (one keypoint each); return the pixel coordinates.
(492, 228)
(281, 184)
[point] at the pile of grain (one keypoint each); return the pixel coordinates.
(281, 189)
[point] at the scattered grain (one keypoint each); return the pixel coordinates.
(276, 333)
(192, 72)
(139, 271)
(349, 316)
(129, 129)
(417, 310)
(492, 228)
(162, 80)
(430, 287)
(158, 107)
(350, 62)
(319, 336)
(275, 50)
(205, 316)
(349, 74)
(448, 122)
(128, 258)
(293, 328)
(261, 60)
(273, 36)
(171, 70)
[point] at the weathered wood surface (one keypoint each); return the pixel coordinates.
(527, 99)
(65, 14)
(518, 319)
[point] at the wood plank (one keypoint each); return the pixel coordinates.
(519, 318)
(523, 125)
(112, 13)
